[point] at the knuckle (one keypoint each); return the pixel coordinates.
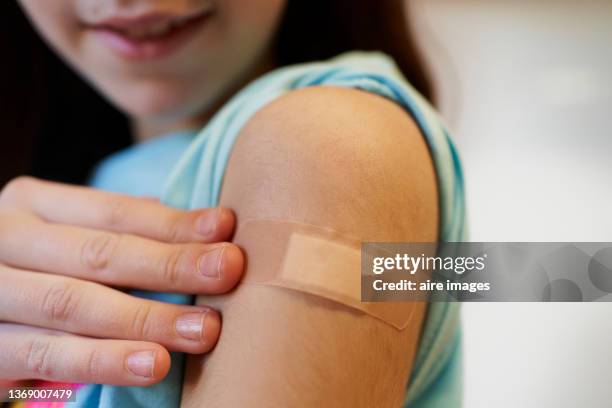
(142, 325)
(116, 212)
(171, 267)
(94, 365)
(39, 357)
(14, 188)
(97, 251)
(12, 219)
(173, 228)
(61, 302)
(6, 229)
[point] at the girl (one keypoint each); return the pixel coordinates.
(270, 108)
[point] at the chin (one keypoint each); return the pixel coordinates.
(158, 103)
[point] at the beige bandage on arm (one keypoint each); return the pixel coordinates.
(315, 260)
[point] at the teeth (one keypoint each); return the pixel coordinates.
(181, 20)
(160, 28)
(153, 30)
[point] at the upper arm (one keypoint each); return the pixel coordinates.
(336, 158)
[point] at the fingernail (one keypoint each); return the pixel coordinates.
(206, 225)
(210, 263)
(141, 363)
(191, 325)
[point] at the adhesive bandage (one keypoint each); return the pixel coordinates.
(314, 260)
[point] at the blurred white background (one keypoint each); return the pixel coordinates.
(526, 87)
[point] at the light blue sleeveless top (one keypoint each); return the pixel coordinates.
(186, 170)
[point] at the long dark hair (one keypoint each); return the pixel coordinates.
(54, 126)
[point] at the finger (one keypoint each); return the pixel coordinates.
(87, 207)
(91, 309)
(118, 259)
(32, 353)
(6, 385)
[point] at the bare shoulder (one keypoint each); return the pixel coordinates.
(341, 159)
(337, 157)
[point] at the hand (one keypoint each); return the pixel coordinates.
(63, 248)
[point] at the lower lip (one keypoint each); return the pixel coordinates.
(149, 49)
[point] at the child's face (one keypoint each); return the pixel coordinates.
(160, 58)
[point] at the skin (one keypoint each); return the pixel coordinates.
(178, 91)
(63, 248)
(353, 161)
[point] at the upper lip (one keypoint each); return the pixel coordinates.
(146, 24)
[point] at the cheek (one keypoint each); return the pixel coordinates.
(56, 22)
(242, 39)
(254, 21)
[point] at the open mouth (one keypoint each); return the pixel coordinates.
(149, 36)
